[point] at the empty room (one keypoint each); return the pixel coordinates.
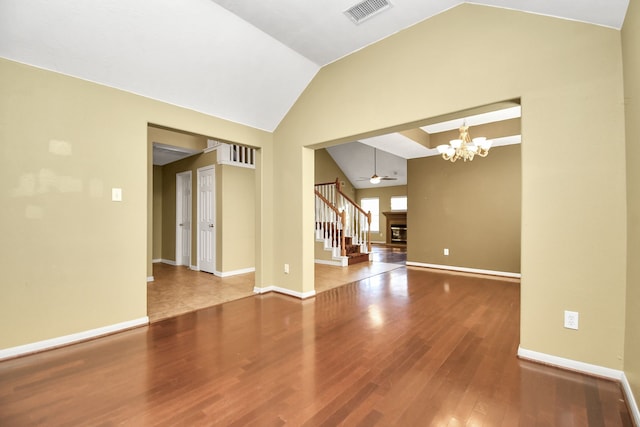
(518, 303)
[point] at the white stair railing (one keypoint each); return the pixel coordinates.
(330, 225)
(331, 202)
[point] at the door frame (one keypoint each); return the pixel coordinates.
(181, 179)
(212, 167)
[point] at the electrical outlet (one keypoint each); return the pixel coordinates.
(571, 319)
(446, 251)
(286, 269)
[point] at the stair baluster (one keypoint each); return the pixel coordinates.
(338, 217)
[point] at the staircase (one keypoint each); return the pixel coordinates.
(341, 226)
(354, 256)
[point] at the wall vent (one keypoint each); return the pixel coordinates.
(366, 9)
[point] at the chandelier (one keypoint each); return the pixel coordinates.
(464, 148)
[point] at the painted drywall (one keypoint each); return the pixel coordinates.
(384, 195)
(73, 260)
(157, 212)
(631, 60)
(237, 224)
(470, 208)
(175, 138)
(569, 80)
(327, 170)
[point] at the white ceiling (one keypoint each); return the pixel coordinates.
(242, 60)
(164, 154)
(356, 160)
(319, 31)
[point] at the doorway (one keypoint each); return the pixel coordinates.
(183, 218)
(206, 233)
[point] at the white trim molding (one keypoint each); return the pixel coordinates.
(234, 272)
(572, 365)
(465, 269)
(156, 260)
(631, 401)
(341, 262)
(301, 295)
(168, 261)
(150, 279)
(586, 368)
(52, 343)
(194, 268)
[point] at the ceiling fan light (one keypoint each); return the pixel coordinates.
(375, 179)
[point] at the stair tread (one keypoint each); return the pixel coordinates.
(357, 258)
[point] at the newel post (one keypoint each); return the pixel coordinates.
(338, 184)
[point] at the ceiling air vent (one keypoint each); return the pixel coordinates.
(366, 9)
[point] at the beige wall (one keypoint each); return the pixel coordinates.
(73, 260)
(237, 213)
(384, 195)
(176, 139)
(157, 212)
(569, 79)
(631, 58)
(327, 170)
(472, 209)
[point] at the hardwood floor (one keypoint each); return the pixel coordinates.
(410, 347)
(179, 290)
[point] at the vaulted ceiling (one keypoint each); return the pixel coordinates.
(242, 60)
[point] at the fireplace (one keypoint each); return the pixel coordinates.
(398, 233)
(396, 227)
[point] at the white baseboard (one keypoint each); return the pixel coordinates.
(234, 272)
(572, 365)
(301, 295)
(168, 261)
(49, 344)
(342, 262)
(586, 368)
(150, 278)
(156, 260)
(631, 401)
(464, 269)
(226, 273)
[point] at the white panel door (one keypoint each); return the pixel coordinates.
(183, 218)
(206, 219)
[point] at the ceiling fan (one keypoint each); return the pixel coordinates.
(375, 179)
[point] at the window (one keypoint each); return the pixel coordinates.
(372, 205)
(398, 203)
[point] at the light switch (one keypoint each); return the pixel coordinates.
(116, 194)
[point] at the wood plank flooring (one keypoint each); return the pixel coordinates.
(177, 289)
(410, 347)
